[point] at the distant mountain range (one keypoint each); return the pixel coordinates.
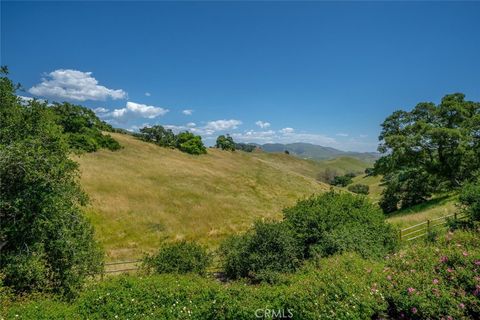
(316, 152)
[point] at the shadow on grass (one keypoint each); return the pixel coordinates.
(430, 204)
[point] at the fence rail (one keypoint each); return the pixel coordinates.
(407, 234)
(423, 228)
(130, 265)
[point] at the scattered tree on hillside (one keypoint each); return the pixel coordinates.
(184, 141)
(429, 149)
(247, 147)
(46, 243)
(190, 143)
(83, 128)
(359, 188)
(225, 143)
(158, 135)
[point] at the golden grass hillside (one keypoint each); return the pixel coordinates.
(144, 194)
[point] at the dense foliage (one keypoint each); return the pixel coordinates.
(184, 141)
(83, 128)
(46, 243)
(260, 253)
(439, 281)
(336, 222)
(179, 257)
(319, 226)
(422, 282)
(359, 188)
(429, 149)
(247, 147)
(470, 201)
(225, 143)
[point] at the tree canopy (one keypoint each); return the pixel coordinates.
(46, 243)
(429, 149)
(184, 141)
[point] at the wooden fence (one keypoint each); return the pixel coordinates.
(122, 266)
(423, 228)
(408, 234)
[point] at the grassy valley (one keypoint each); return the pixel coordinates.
(143, 194)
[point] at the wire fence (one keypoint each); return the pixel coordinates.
(424, 228)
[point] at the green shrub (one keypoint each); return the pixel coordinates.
(190, 143)
(470, 201)
(341, 181)
(336, 222)
(83, 128)
(359, 188)
(46, 242)
(179, 257)
(435, 281)
(225, 143)
(264, 250)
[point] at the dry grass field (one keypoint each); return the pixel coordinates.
(144, 194)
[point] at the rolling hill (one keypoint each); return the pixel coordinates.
(313, 151)
(143, 194)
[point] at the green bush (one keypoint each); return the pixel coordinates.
(336, 222)
(83, 128)
(190, 143)
(225, 143)
(179, 257)
(46, 242)
(341, 181)
(435, 281)
(432, 281)
(359, 188)
(470, 201)
(266, 249)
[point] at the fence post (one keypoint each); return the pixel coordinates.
(400, 234)
(428, 226)
(455, 215)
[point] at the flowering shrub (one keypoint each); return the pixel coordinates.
(440, 281)
(435, 281)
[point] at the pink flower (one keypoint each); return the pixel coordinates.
(435, 281)
(477, 262)
(465, 253)
(462, 306)
(443, 259)
(414, 310)
(389, 277)
(411, 290)
(450, 270)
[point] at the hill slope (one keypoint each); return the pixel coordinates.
(143, 194)
(313, 151)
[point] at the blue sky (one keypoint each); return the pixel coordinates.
(325, 73)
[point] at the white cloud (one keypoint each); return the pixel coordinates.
(147, 94)
(74, 85)
(363, 135)
(221, 125)
(341, 134)
(262, 124)
(287, 130)
(187, 112)
(100, 110)
(133, 109)
(191, 124)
